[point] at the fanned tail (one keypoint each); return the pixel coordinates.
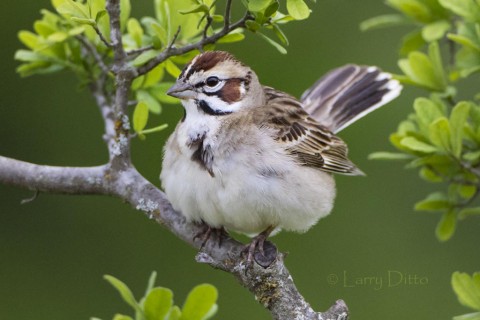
(348, 93)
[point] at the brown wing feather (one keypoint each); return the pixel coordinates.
(311, 143)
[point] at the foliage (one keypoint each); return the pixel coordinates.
(467, 289)
(441, 138)
(76, 37)
(157, 303)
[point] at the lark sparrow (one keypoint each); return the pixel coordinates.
(255, 160)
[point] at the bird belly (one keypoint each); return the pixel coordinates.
(247, 194)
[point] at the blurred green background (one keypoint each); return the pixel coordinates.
(54, 251)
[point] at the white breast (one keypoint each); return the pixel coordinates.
(255, 184)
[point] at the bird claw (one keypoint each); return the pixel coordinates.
(266, 253)
(207, 232)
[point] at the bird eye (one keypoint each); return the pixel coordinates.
(212, 81)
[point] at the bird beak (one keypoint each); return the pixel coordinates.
(182, 91)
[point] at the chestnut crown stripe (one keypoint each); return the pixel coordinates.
(205, 62)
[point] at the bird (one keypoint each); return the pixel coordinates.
(255, 160)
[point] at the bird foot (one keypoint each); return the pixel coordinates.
(207, 232)
(262, 251)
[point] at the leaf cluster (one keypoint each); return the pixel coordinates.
(158, 304)
(442, 137)
(76, 37)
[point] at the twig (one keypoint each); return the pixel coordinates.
(102, 37)
(165, 54)
(228, 13)
(207, 25)
(94, 53)
(139, 50)
(32, 198)
(174, 39)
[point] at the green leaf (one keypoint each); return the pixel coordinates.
(272, 9)
(200, 8)
(413, 9)
(467, 289)
(57, 3)
(429, 175)
(435, 30)
(277, 46)
(29, 39)
(144, 57)
(151, 282)
(467, 191)
(419, 69)
(124, 291)
(440, 134)
(58, 36)
(38, 67)
(122, 317)
(427, 111)
(252, 25)
(125, 9)
(158, 303)
(472, 156)
(231, 37)
(30, 56)
(175, 313)
(199, 302)
(465, 8)
(280, 34)
(74, 9)
(389, 156)
(86, 21)
(464, 41)
(437, 65)
(160, 33)
(154, 76)
(138, 83)
(155, 129)
(470, 316)
(433, 202)
(464, 213)
(172, 68)
(43, 28)
(458, 119)
(298, 9)
(153, 105)
(100, 14)
(213, 310)
(414, 144)
(258, 5)
(140, 116)
(384, 21)
(135, 31)
(159, 91)
(446, 226)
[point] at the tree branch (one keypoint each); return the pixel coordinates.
(66, 180)
(272, 286)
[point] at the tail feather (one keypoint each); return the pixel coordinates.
(348, 93)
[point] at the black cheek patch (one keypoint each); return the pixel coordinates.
(205, 107)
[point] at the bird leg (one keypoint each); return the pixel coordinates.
(207, 232)
(258, 242)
